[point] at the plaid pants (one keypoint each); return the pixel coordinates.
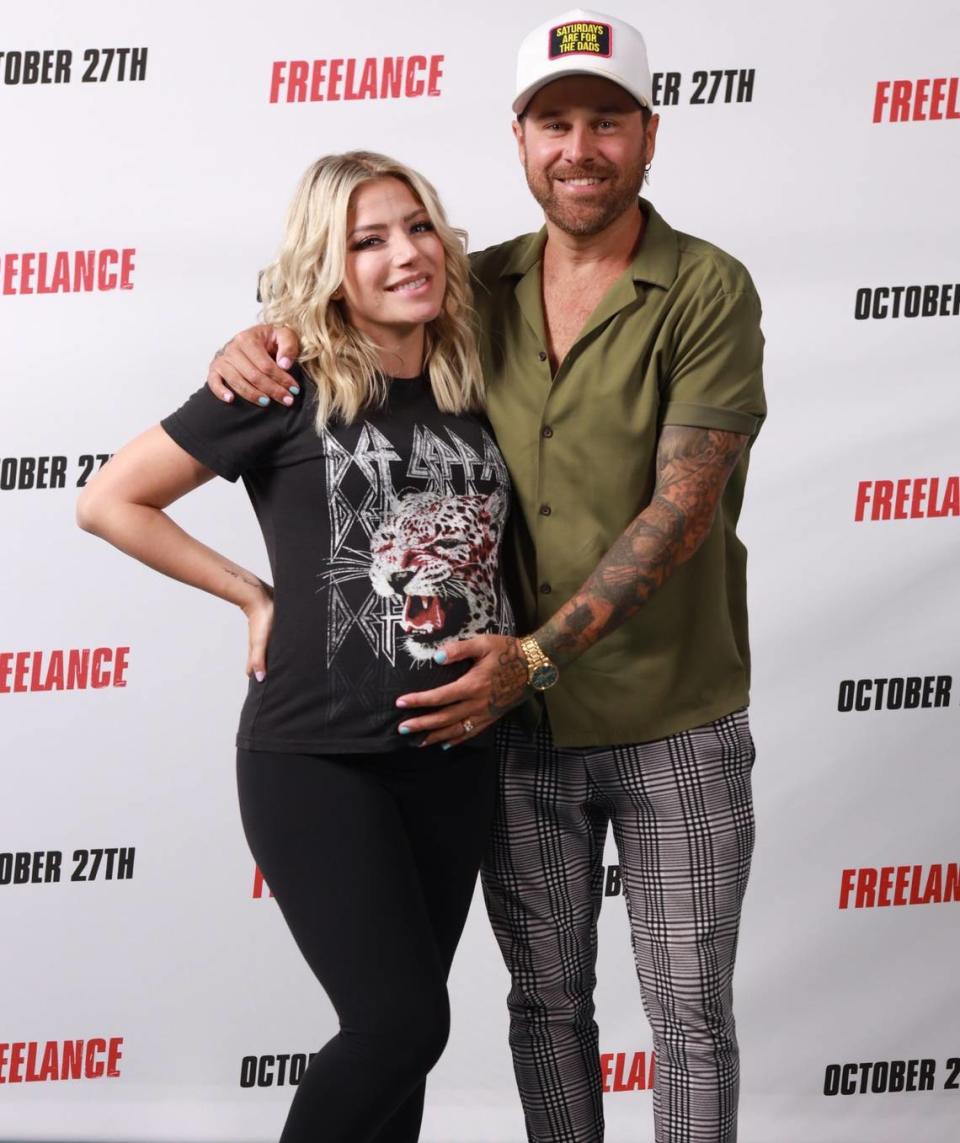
(682, 819)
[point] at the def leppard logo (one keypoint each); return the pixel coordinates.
(364, 495)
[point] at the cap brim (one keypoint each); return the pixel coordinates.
(520, 103)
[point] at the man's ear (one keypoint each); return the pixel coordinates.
(651, 136)
(517, 126)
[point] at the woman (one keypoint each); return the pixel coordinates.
(382, 502)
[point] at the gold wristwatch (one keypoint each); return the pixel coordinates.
(541, 672)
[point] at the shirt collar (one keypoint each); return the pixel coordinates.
(526, 253)
(656, 262)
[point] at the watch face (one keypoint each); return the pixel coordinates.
(544, 677)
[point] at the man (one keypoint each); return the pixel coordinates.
(623, 367)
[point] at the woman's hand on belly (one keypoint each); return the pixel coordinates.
(495, 683)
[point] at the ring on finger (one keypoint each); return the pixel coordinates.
(468, 726)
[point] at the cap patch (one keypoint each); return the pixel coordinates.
(580, 39)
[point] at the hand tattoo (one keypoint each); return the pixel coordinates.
(693, 466)
(510, 681)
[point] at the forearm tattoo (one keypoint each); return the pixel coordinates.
(693, 466)
(250, 580)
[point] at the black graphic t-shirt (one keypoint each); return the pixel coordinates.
(384, 543)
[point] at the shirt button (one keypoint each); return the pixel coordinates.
(546, 431)
(545, 589)
(545, 509)
(542, 355)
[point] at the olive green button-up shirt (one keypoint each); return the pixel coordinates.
(675, 341)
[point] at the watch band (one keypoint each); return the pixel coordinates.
(541, 670)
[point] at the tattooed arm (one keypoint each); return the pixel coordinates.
(693, 466)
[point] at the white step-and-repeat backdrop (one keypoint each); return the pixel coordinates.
(150, 990)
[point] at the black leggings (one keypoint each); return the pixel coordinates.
(373, 860)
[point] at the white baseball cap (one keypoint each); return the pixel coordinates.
(583, 43)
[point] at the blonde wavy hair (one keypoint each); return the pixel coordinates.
(298, 289)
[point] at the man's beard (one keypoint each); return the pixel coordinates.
(585, 218)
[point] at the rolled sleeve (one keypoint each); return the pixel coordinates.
(716, 379)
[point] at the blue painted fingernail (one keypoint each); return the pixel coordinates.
(404, 729)
(446, 746)
(440, 656)
(263, 401)
(295, 390)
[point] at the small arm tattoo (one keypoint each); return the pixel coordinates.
(692, 469)
(250, 580)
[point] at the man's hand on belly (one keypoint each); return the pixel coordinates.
(495, 683)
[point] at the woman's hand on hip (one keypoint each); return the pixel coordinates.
(259, 613)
